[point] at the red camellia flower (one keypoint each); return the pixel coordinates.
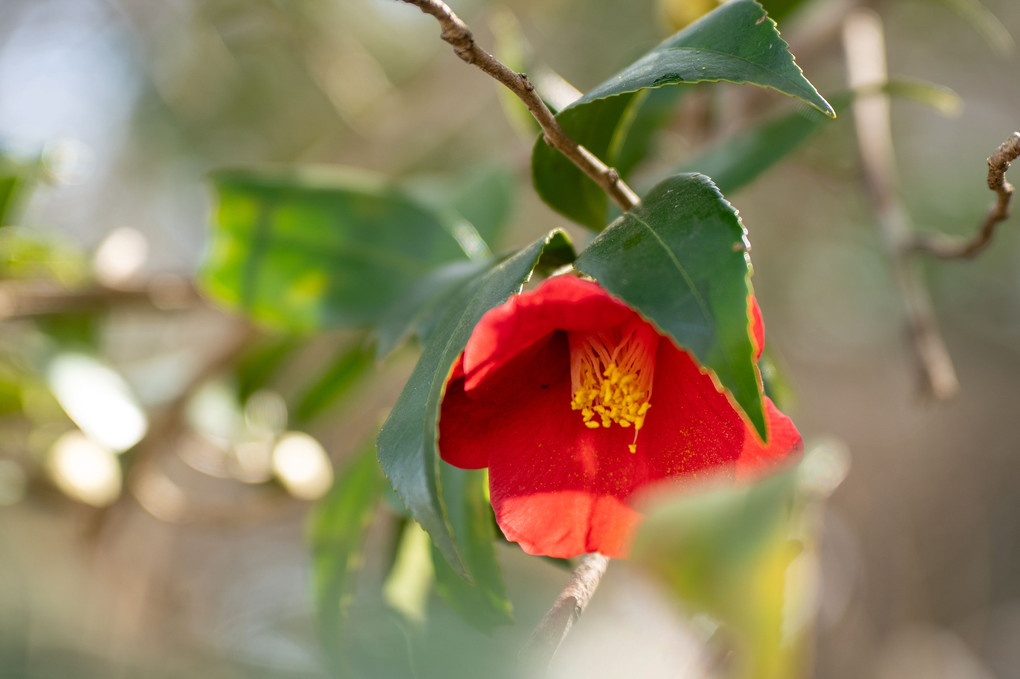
(575, 402)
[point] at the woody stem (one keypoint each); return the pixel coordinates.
(459, 36)
(568, 607)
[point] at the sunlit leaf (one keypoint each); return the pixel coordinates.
(407, 442)
(745, 554)
(306, 250)
(680, 259)
(482, 601)
(737, 43)
(419, 312)
(407, 586)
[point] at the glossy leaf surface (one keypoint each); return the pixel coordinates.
(336, 532)
(408, 440)
(737, 43)
(483, 602)
(680, 259)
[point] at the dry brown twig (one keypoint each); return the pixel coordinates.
(457, 33)
(569, 606)
(945, 247)
(865, 58)
(24, 299)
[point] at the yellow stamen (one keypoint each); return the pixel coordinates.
(611, 375)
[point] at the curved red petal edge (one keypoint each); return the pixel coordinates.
(757, 328)
(559, 488)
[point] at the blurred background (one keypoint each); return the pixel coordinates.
(159, 456)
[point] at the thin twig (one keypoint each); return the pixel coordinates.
(569, 606)
(457, 33)
(23, 299)
(945, 247)
(865, 55)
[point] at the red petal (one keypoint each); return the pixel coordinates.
(784, 443)
(559, 303)
(559, 488)
(691, 425)
(469, 423)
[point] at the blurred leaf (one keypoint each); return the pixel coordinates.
(16, 183)
(304, 250)
(485, 198)
(650, 112)
(703, 542)
(10, 389)
(727, 551)
(941, 98)
(337, 528)
(510, 48)
(407, 586)
(780, 9)
(31, 253)
(985, 23)
(483, 602)
(736, 162)
(739, 160)
(680, 259)
(736, 43)
(419, 312)
(257, 366)
(346, 368)
(407, 442)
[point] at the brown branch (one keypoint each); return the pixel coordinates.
(945, 247)
(23, 299)
(865, 56)
(568, 607)
(457, 33)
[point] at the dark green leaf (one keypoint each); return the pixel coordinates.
(483, 602)
(738, 161)
(558, 181)
(306, 250)
(420, 311)
(337, 529)
(680, 259)
(407, 442)
(345, 370)
(737, 43)
(258, 365)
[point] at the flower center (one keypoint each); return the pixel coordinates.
(611, 375)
